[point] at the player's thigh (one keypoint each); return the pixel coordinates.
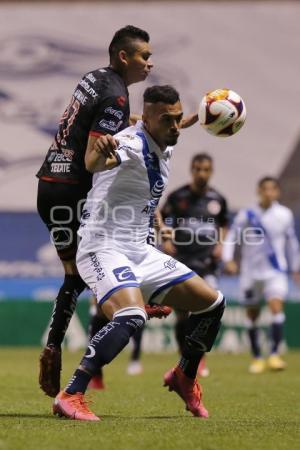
(276, 288)
(191, 295)
(251, 293)
(212, 280)
(128, 297)
(59, 206)
(158, 273)
(275, 291)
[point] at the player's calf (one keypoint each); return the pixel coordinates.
(106, 345)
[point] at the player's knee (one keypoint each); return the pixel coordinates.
(136, 316)
(278, 318)
(119, 330)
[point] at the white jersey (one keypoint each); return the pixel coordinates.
(121, 204)
(268, 240)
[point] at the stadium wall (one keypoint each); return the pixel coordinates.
(31, 321)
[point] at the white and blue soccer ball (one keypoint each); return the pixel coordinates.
(222, 112)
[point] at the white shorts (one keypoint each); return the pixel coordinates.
(109, 270)
(253, 291)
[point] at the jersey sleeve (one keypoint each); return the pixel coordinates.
(224, 214)
(109, 116)
(129, 148)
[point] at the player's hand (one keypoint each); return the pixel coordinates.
(217, 252)
(167, 241)
(231, 268)
(106, 145)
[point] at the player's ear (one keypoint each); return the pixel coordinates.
(123, 57)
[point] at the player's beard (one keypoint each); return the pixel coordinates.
(172, 140)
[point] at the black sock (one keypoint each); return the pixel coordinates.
(202, 330)
(190, 365)
(276, 336)
(64, 307)
(137, 344)
(253, 333)
(96, 323)
(78, 382)
(180, 333)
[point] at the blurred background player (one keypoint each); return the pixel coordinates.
(269, 245)
(199, 216)
(99, 106)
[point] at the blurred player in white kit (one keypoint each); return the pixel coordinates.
(269, 249)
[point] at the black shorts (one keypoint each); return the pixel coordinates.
(60, 206)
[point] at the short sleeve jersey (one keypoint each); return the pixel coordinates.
(196, 220)
(99, 105)
(121, 204)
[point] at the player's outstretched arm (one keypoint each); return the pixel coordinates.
(101, 153)
(189, 120)
(134, 118)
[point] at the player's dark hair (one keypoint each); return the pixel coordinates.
(124, 40)
(199, 157)
(164, 94)
(266, 179)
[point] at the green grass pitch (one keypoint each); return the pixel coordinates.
(247, 411)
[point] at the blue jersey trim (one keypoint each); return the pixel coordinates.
(117, 288)
(254, 221)
(177, 280)
(155, 180)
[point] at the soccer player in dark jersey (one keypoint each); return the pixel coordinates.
(99, 106)
(198, 214)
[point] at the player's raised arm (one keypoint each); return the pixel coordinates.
(189, 120)
(101, 153)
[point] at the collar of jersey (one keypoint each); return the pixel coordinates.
(275, 203)
(153, 147)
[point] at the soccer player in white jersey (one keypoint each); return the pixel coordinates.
(269, 248)
(123, 270)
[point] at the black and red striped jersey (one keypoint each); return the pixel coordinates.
(99, 105)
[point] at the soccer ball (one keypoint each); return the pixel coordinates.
(222, 112)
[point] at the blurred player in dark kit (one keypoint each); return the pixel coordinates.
(198, 214)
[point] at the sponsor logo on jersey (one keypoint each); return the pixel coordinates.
(60, 167)
(156, 193)
(114, 112)
(80, 96)
(68, 154)
(170, 264)
(91, 77)
(124, 274)
(97, 268)
(86, 86)
(121, 100)
(110, 125)
(213, 207)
